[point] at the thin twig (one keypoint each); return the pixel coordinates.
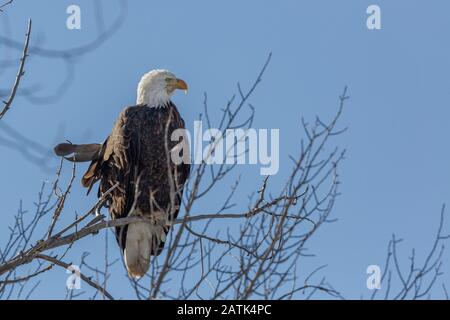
(20, 73)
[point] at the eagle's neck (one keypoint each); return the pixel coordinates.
(153, 97)
(161, 106)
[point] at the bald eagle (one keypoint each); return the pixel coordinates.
(135, 166)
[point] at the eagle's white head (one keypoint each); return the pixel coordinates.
(157, 86)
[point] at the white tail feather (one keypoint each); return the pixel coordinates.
(138, 246)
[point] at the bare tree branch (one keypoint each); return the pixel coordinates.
(417, 279)
(58, 262)
(2, 6)
(20, 73)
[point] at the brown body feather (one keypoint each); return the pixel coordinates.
(135, 156)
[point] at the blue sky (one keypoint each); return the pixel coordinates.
(396, 174)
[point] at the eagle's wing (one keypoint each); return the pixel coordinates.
(93, 173)
(116, 165)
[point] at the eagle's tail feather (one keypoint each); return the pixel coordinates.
(143, 240)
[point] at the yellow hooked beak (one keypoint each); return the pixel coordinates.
(182, 85)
